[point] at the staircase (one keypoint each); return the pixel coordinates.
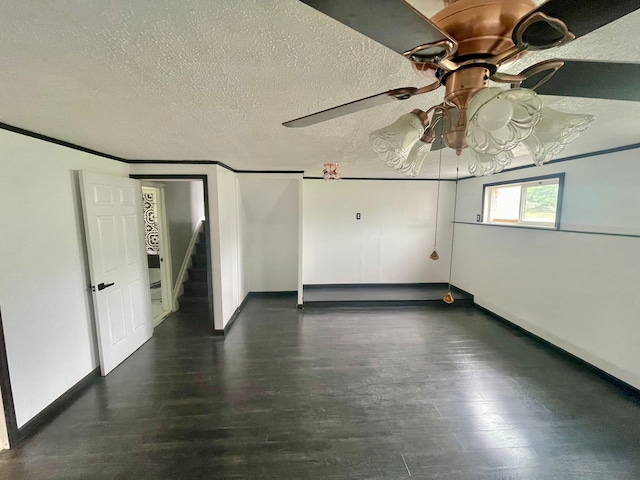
(195, 288)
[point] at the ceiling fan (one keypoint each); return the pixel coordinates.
(463, 47)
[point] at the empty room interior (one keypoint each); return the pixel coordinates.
(320, 239)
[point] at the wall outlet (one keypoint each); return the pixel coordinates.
(358, 216)
(478, 218)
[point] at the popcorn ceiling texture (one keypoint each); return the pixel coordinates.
(214, 80)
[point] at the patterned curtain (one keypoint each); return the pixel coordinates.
(152, 236)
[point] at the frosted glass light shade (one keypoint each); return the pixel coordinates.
(552, 133)
(482, 164)
(497, 119)
(412, 165)
(393, 143)
(495, 114)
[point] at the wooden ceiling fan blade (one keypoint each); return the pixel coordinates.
(362, 104)
(392, 23)
(588, 79)
(339, 111)
(580, 17)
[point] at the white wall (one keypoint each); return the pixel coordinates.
(46, 304)
(270, 219)
(230, 245)
(576, 290)
(224, 229)
(392, 241)
(599, 192)
(196, 194)
(243, 286)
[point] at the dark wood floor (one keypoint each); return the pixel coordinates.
(429, 392)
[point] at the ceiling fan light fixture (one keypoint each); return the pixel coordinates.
(412, 165)
(481, 164)
(552, 133)
(495, 114)
(394, 143)
(498, 120)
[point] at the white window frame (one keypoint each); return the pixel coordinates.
(557, 178)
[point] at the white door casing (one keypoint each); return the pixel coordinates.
(112, 209)
(165, 255)
(4, 435)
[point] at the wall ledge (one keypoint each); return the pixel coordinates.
(542, 229)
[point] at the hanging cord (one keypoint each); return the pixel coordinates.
(435, 235)
(453, 226)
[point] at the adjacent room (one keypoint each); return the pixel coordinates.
(320, 239)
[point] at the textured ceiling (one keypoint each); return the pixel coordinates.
(214, 80)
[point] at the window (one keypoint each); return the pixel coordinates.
(533, 202)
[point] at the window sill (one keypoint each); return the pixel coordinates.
(520, 225)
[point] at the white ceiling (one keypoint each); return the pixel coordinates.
(214, 80)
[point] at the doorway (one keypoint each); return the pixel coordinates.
(179, 248)
(157, 247)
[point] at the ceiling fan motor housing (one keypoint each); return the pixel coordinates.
(482, 29)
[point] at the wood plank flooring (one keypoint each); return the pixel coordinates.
(429, 392)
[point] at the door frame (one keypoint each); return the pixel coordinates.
(9, 413)
(206, 229)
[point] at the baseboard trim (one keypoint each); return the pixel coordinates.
(284, 293)
(458, 290)
(623, 386)
(55, 408)
(225, 331)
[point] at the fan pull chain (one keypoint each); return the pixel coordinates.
(434, 255)
(448, 298)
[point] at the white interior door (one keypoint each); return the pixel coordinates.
(118, 264)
